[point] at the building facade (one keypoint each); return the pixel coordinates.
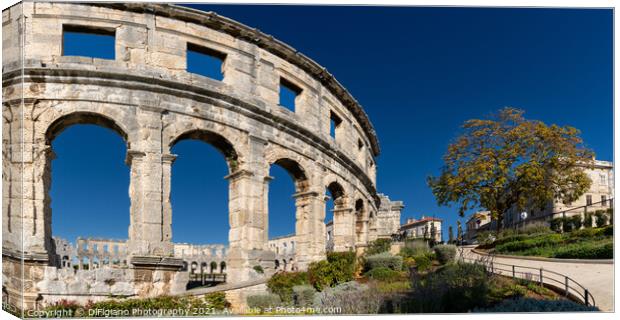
(423, 228)
(477, 222)
(598, 197)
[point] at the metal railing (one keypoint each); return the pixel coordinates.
(557, 281)
(204, 278)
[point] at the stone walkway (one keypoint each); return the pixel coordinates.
(598, 278)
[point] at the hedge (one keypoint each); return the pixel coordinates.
(264, 301)
(445, 253)
(586, 250)
(423, 262)
(384, 259)
(303, 295)
(383, 274)
(338, 268)
(520, 245)
(282, 284)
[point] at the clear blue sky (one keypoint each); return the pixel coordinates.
(418, 72)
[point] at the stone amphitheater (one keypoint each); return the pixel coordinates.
(147, 96)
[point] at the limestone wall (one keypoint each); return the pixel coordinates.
(146, 95)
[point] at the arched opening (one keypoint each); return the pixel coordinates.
(288, 181)
(336, 209)
(360, 221)
(199, 194)
(85, 183)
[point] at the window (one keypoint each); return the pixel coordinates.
(205, 61)
(603, 179)
(360, 144)
(603, 200)
(334, 123)
(88, 42)
(589, 200)
(288, 94)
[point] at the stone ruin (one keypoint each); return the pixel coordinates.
(147, 96)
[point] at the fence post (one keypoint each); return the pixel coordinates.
(513, 272)
(587, 300)
(541, 276)
(566, 286)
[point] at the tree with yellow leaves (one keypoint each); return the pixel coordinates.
(508, 161)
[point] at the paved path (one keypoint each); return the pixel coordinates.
(598, 278)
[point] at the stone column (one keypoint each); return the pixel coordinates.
(29, 204)
(344, 236)
(247, 225)
(309, 228)
(150, 235)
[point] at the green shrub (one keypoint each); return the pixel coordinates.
(601, 218)
(263, 301)
(538, 241)
(556, 224)
(282, 284)
(417, 247)
(408, 262)
(535, 305)
(378, 246)
(445, 253)
(586, 233)
(457, 287)
(321, 275)
(217, 300)
(608, 230)
(610, 212)
(511, 238)
(406, 252)
(384, 259)
(586, 250)
(194, 304)
(350, 298)
(505, 233)
(587, 220)
(383, 274)
(338, 268)
(423, 262)
(535, 228)
(259, 269)
(303, 295)
(576, 221)
(486, 237)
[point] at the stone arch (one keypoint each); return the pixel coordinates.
(230, 142)
(84, 117)
(223, 145)
(50, 125)
(297, 173)
(343, 219)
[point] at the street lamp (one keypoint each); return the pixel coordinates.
(522, 217)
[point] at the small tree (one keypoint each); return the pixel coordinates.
(509, 162)
(459, 232)
(450, 235)
(433, 232)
